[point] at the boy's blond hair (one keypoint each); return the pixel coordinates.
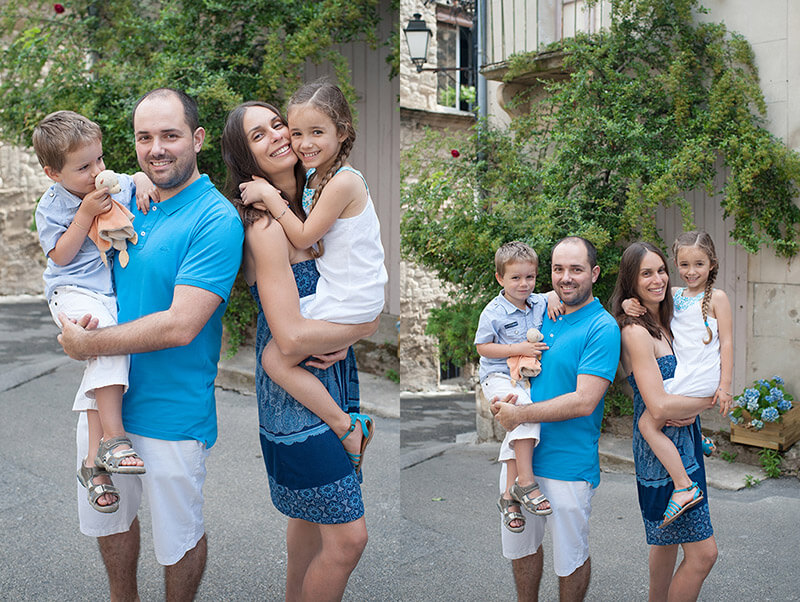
(511, 252)
(60, 133)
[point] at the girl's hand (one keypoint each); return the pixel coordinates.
(633, 308)
(724, 399)
(145, 192)
(258, 189)
(95, 203)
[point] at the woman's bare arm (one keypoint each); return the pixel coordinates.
(639, 355)
(267, 245)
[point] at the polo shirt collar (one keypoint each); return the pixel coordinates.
(65, 195)
(187, 195)
(587, 311)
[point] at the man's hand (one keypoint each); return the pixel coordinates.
(324, 361)
(73, 335)
(505, 412)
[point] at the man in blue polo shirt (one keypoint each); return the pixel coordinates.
(568, 402)
(171, 296)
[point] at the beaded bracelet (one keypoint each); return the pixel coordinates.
(281, 215)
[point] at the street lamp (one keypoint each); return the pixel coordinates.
(417, 37)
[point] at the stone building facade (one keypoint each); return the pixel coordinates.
(21, 184)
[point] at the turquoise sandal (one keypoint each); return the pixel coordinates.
(673, 510)
(709, 447)
(367, 429)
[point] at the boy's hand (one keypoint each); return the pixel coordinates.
(94, 203)
(529, 349)
(554, 306)
(145, 192)
(258, 189)
(633, 308)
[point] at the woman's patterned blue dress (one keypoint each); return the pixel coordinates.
(310, 476)
(653, 482)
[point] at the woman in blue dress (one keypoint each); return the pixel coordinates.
(311, 479)
(648, 360)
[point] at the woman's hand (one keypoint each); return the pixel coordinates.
(680, 422)
(323, 361)
(260, 193)
(633, 308)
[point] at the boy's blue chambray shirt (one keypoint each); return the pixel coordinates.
(54, 214)
(503, 322)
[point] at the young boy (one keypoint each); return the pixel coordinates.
(502, 333)
(77, 282)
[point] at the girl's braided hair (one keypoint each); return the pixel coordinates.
(702, 240)
(329, 99)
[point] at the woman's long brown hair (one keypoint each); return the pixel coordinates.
(625, 288)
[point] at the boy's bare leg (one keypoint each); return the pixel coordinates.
(309, 390)
(511, 476)
(523, 449)
(667, 454)
(95, 433)
(109, 408)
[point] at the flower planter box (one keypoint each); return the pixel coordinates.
(779, 436)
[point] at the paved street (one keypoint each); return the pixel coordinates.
(430, 505)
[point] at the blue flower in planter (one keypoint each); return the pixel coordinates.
(769, 414)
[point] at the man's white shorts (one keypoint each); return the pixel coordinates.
(173, 486)
(569, 525)
(499, 385)
(102, 371)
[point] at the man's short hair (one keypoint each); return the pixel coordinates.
(190, 112)
(60, 133)
(591, 251)
(511, 252)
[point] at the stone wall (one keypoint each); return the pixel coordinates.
(22, 182)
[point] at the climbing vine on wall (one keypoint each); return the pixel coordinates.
(651, 109)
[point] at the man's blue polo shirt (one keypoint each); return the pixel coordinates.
(195, 239)
(586, 341)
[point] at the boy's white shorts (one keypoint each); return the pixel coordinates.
(569, 525)
(102, 371)
(498, 384)
(173, 486)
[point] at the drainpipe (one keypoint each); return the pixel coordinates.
(480, 17)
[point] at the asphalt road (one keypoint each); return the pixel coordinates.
(432, 522)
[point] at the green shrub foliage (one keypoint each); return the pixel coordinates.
(653, 107)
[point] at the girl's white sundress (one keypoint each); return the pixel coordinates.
(697, 372)
(350, 289)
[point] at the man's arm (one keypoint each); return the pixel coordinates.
(177, 326)
(581, 402)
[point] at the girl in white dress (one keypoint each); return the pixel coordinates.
(342, 230)
(702, 329)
